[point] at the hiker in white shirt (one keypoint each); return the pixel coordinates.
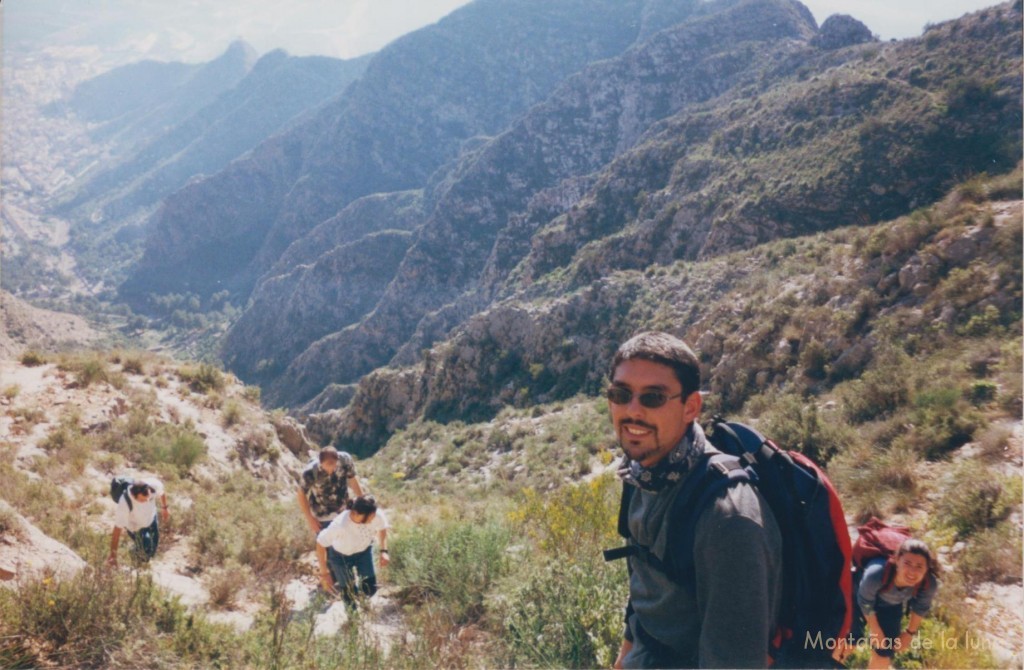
(351, 535)
(136, 514)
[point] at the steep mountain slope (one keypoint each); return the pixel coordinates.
(421, 97)
(801, 315)
(593, 118)
(325, 281)
(273, 92)
(786, 141)
(864, 141)
(136, 102)
(23, 326)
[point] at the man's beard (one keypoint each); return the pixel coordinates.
(644, 453)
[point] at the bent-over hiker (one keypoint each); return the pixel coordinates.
(725, 617)
(351, 537)
(908, 580)
(136, 514)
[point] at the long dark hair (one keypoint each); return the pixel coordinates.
(915, 546)
(912, 546)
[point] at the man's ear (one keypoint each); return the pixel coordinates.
(692, 406)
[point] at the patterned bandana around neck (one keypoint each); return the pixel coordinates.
(670, 469)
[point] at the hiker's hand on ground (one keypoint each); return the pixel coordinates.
(903, 641)
(165, 516)
(112, 561)
(385, 559)
(328, 583)
(842, 651)
(623, 650)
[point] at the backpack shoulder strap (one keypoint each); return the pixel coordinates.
(624, 500)
(713, 474)
(888, 575)
(623, 527)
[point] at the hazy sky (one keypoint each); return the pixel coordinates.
(195, 30)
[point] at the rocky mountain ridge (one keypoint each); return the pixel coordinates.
(519, 352)
(419, 100)
(700, 182)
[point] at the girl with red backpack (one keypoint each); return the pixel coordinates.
(888, 586)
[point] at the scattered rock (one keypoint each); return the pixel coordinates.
(292, 435)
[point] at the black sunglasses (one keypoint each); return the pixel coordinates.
(620, 395)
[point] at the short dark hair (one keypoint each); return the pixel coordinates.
(665, 349)
(328, 453)
(140, 488)
(365, 504)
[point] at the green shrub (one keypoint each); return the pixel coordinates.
(451, 563)
(31, 359)
(979, 325)
(87, 369)
(240, 519)
(107, 619)
(982, 392)
(995, 440)
(231, 414)
(976, 497)
(202, 379)
(942, 421)
(795, 424)
(563, 615)
(881, 391)
(932, 648)
(994, 555)
(10, 523)
(133, 365)
(30, 415)
(875, 481)
(225, 583)
(179, 446)
(577, 519)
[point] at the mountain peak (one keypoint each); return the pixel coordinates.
(842, 30)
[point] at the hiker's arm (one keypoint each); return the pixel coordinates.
(627, 636)
(115, 541)
(325, 574)
(874, 628)
(911, 631)
(356, 487)
(385, 555)
(164, 513)
(623, 650)
(737, 588)
(311, 521)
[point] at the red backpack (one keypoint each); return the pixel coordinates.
(877, 539)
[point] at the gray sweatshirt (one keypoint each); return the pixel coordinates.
(870, 594)
(728, 621)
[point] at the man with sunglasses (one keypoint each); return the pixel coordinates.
(725, 617)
